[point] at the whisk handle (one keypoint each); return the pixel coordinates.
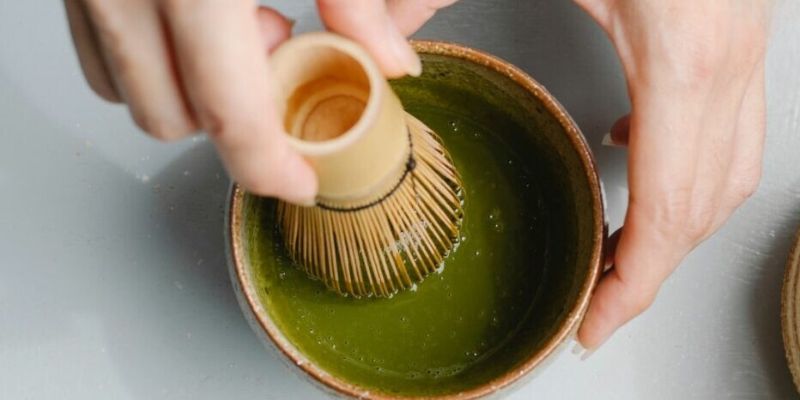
(342, 116)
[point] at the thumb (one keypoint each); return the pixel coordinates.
(369, 23)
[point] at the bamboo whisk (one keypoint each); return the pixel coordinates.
(389, 204)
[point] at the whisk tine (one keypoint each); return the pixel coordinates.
(404, 232)
(329, 250)
(356, 270)
(343, 244)
(307, 220)
(443, 193)
(394, 272)
(314, 242)
(375, 261)
(373, 267)
(426, 247)
(439, 209)
(386, 247)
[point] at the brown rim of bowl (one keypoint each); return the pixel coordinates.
(575, 313)
(789, 311)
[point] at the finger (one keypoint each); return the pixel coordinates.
(133, 38)
(368, 23)
(614, 302)
(620, 131)
(629, 287)
(227, 76)
(654, 238)
(410, 15)
(275, 28)
(91, 59)
(598, 10)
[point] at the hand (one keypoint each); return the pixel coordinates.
(695, 73)
(181, 65)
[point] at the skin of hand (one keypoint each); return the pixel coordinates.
(185, 65)
(695, 73)
(695, 136)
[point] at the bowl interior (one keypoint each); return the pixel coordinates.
(509, 293)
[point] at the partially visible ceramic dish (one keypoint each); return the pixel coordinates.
(790, 311)
(512, 293)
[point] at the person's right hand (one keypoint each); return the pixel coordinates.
(184, 65)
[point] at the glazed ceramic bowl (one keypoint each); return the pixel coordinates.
(790, 311)
(564, 245)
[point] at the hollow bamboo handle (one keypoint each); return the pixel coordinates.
(323, 81)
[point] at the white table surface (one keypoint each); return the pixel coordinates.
(113, 282)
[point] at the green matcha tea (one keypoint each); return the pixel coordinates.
(485, 310)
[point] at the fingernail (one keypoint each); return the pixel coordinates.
(577, 349)
(406, 55)
(581, 351)
(608, 141)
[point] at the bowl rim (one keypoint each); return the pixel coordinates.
(261, 321)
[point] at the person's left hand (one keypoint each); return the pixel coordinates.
(695, 74)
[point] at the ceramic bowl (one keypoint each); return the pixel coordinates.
(790, 311)
(519, 110)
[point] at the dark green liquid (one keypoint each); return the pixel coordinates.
(422, 341)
